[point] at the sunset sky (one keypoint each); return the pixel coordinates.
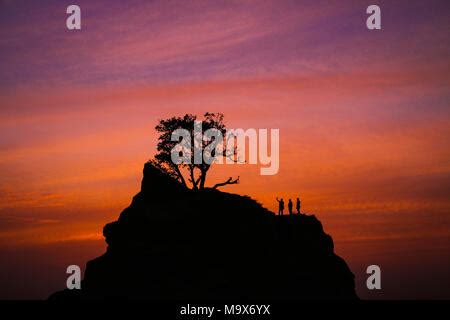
(364, 116)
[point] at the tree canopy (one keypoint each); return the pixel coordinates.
(191, 173)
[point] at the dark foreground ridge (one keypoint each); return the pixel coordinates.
(175, 243)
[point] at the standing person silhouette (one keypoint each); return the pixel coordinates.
(280, 206)
(290, 207)
(298, 205)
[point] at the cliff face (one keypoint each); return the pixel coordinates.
(173, 243)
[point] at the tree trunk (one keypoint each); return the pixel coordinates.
(180, 176)
(194, 183)
(202, 179)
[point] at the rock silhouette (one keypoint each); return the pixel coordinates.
(175, 243)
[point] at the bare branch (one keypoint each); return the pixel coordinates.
(192, 178)
(229, 181)
(198, 179)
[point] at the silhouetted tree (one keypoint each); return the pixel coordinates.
(195, 173)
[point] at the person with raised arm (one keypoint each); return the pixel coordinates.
(280, 206)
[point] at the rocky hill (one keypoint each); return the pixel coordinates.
(174, 243)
